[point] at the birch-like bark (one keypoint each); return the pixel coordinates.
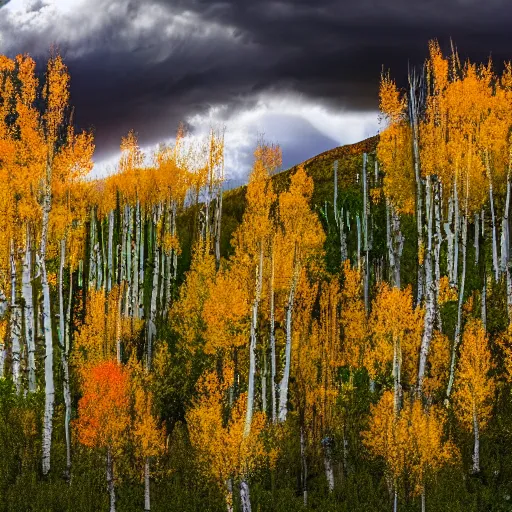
(110, 481)
(252, 346)
(414, 89)
(329, 470)
(174, 233)
(476, 448)
(99, 262)
(129, 274)
(15, 325)
(505, 250)
(147, 495)
(389, 242)
(264, 376)
(438, 240)
(458, 326)
(397, 364)
(283, 386)
(339, 216)
(366, 247)
(67, 390)
(450, 243)
(456, 231)
(495, 263)
(64, 347)
(141, 265)
(476, 245)
(92, 248)
(273, 341)
(429, 318)
(47, 328)
(110, 251)
(245, 496)
(154, 289)
(136, 252)
(28, 299)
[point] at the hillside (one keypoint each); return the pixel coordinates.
(319, 167)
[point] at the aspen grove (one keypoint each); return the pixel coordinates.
(335, 337)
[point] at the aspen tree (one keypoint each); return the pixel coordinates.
(475, 388)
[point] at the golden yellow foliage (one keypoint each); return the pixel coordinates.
(394, 319)
(474, 386)
(222, 448)
(411, 444)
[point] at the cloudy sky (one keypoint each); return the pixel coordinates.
(304, 73)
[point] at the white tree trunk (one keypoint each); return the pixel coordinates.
(273, 342)
(252, 346)
(366, 247)
(110, 251)
(141, 265)
(414, 84)
(28, 298)
(264, 376)
(456, 231)
(329, 471)
(64, 346)
(476, 245)
(476, 450)
(136, 252)
(245, 496)
(438, 240)
(147, 495)
(450, 243)
(110, 481)
(283, 386)
(15, 325)
(458, 325)
(154, 290)
(430, 307)
(397, 364)
(495, 263)
(47, 329)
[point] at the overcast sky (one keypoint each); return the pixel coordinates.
(303, 72)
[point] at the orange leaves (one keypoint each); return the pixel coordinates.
(187, 312)
(226, 312)
(394, 319)
(56, 94)
(392, 103)
(147, 435)
(222, 448)
(95, 341)
(412, 443)
(103, 410)
(395, 147)
(475, 388)
(255, 232)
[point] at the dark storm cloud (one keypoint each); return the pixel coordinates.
(148, 64)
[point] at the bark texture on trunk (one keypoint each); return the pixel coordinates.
(110, 481)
